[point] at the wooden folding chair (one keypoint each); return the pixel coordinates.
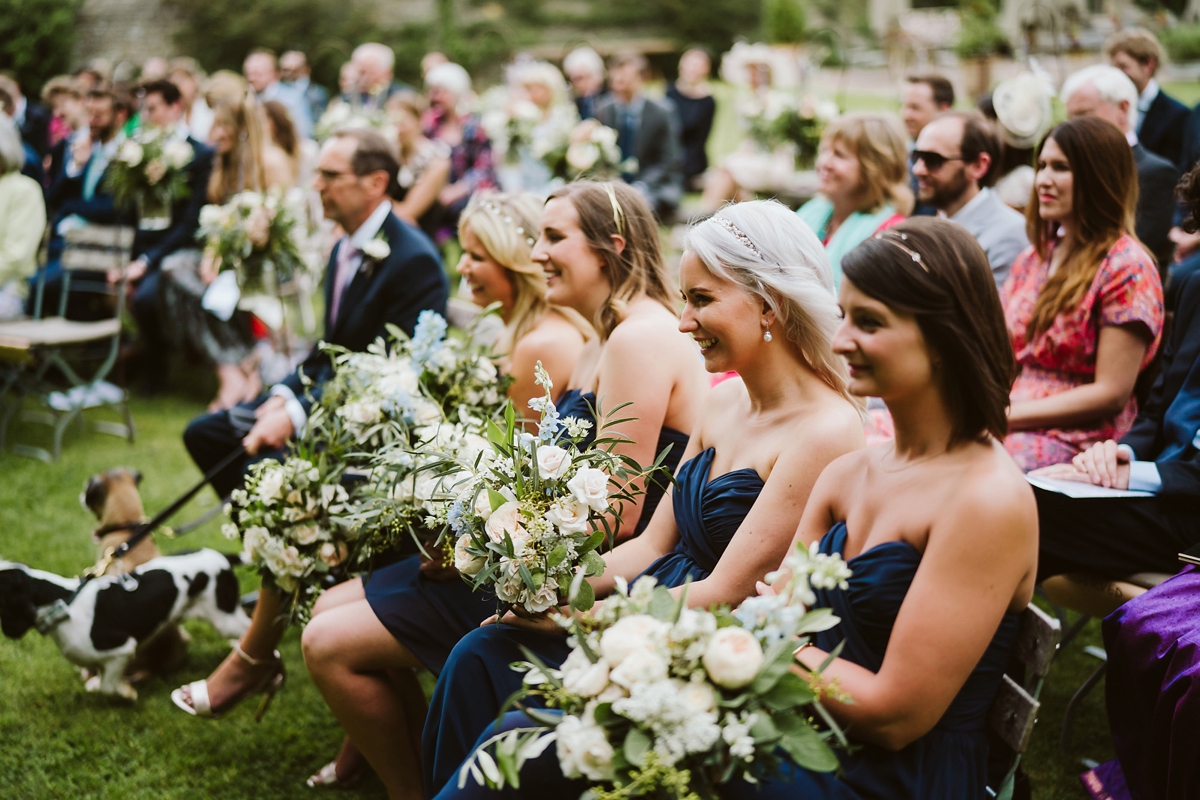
(1015, 709)
(40, 356)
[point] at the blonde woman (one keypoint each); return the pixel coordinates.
(863, 173)
(411, 613)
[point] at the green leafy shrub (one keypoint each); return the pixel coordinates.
(980, 34)
(36, 37)
(783, 21)
(1182, 42)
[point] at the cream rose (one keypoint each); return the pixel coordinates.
(733, 657)
(333, 554)
(507, 519)
(640, 666)
(590, 487)
(553, 462)
(306, 534)
(464, 562)
(544, 598)
(638, 632)
(581, 677)
(270, 486)
(583, 750)
(699, 697)
(569, 515)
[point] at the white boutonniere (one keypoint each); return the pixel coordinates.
(629, 166)
(377, 249)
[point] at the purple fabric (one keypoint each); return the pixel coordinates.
(1106, 782)
(1153, 689)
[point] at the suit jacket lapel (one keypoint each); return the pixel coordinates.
(363, 276)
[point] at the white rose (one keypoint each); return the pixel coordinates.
(507, 519)
(733, 657)
(270, 486)
(544, 598)
(426, 487)
(553, 462)
(640, 666)
(631, 634)
(582, 156)
(177, 153)
(698, 696)
(590, 486)
(583, 750)
(612, 693)
(465, 562)
(254, 541)
(511, 586)
(130, 153)
(483, 505)
(333, 554)
(361, 413)
(306, 534)
(377, 249)
(583, 678)
(569, 515)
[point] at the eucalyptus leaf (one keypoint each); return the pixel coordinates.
(556, 556)
(806, 747)
(790, 692)
(637, 745)
(583, 596)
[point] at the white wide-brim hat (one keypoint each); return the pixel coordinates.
(1023, 109)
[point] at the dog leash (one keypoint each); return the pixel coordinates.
(49, 617)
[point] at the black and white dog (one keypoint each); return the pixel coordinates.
(104, 623)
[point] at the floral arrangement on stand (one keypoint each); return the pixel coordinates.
(784, 118)
(340, 114)
(527, 517)
(258, 236)
(148, 173)
(588, 150)
(660, 700)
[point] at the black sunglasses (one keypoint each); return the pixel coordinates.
(933, 161)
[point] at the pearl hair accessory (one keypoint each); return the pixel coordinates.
(737, 232)
(890, 236)
(504, 215)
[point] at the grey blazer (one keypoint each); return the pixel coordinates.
(999, 229)
(659, 153)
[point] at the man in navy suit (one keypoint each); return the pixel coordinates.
(1160, 117)
(162, 108)
(1115, 537)
(367, 286)
(33, 120)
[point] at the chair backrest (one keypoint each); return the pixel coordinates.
(89, 248)
(1015, 709)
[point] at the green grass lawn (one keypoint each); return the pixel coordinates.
(56, 741)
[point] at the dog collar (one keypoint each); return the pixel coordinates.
(50, 617)
(113, 527)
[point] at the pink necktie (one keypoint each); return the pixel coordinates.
(346, 252)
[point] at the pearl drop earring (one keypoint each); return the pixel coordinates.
(767, 335)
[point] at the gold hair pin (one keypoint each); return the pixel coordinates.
(618, 213)
(738, 233)
(889, 236)
(504, 215)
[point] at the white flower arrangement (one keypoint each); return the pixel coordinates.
(526, 519)
(587, 150)
(656, 698)
(257, 235)
(149, 171)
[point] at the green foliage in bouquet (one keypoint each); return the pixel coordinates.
(660, 700)
(257, 235)
(148, 172)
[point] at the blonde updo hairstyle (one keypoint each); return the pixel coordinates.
(613, 208)
(879, 144)
(507, 224)
(787, 267)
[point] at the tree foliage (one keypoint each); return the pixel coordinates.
(36, 38)
(783, 21)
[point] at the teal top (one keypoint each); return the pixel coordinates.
(857, 227)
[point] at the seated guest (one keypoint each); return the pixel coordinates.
(355, 169)
(281, 141)
(922, 98)
(861, 165)
(1104, 92)
(295, 74)
(692, 96)
(647, 132)
(67, 105)
(79, 197)
(197, 113)
(1160, 117)
(162, 108)
(759, 299)
(32, 167)
(261, 69)
(584, 68)
(411, 613)
(424, 165)
(33, 119)
(938, 527)
(1023, 113)
(22, 222)
(471, 165)
(1083, 303)
(374, 76)
(954, 163)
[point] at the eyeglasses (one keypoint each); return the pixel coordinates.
(933, 161)
(329, 176)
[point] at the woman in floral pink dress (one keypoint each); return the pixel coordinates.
(1084, 303)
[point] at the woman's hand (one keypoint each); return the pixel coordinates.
(532, 622)
(210, 267)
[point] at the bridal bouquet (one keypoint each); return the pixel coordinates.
(657, 699)
(293, 520)
(148, 172)
(528, 516)
(589, 151)
(340, 114)
(785, 118)
(257, 236)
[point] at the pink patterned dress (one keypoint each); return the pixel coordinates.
(1126, 291)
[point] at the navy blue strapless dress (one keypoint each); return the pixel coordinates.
(477, 680)
(948, 763)
(429, 617)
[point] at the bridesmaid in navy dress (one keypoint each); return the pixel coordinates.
(759, 302)
(599, 247)
(939, 527)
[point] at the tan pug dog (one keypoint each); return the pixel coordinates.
(113, 497)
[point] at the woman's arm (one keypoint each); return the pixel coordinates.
(424, 192)
(979, 554)
(553, 342)
(1119, 353)
(278, 169)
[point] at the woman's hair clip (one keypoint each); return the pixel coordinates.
(618, 212)
(890, 236)
(737, 232)
(504, 215)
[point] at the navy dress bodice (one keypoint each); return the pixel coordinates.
(948, 763)
(477, 680)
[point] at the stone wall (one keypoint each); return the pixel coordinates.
(124, 30)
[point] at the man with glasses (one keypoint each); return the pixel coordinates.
(381, 272)
(953, 163)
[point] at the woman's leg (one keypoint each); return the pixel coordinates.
(349, 761)
(350, 654)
